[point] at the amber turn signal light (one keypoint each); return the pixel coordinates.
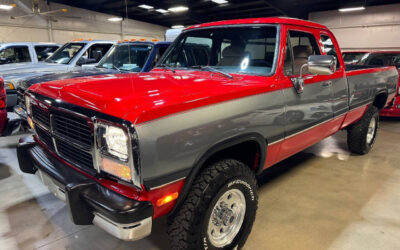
(30, 122)
(116, 169)
(167, 199)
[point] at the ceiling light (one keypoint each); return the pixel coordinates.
(177, 26)
(145, 6)
(162, 11)
(178, 9)
(115, 19)
(7, 6)
(219, 1)
(352, 9)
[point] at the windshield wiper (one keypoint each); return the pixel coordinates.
(208, 68)
(165, 66)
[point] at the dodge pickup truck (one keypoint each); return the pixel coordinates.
(187, 139)
(71, 56)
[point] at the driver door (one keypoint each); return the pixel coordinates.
(305, 111)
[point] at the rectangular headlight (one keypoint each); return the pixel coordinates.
(114, 142)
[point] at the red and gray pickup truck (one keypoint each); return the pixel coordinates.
(188, 139)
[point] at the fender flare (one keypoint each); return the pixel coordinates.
(255, 137)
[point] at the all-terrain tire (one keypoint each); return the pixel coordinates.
(357, 134)
(188, 228)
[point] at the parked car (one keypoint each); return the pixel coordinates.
(71, 56)
(25, 52)
(383, 59)
(173, 142)
(124, 57)
(354, 57)
(8, 120)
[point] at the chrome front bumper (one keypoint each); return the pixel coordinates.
(88, 202)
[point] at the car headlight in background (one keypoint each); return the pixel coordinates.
(28, 104)
(9, 85)
(114, 151)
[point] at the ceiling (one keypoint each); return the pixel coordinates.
(201, 11)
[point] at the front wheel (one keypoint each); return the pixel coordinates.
(361, 135)
(219, 211)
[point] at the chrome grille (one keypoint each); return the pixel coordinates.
(45, 137)
(20, 96)
(72, 127)
(68, 135)
(42, 116)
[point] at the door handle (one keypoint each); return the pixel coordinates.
(327, 83)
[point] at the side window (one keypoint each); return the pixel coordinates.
(288, 63)
(303, 45)
(329, 48)
(97, 51)
(16, 54)
(43, 52)
(160, 52)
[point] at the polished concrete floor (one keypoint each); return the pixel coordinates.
(322, 198)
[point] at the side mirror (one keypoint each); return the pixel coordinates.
(321, 65)
(81, 61)
(317, 65)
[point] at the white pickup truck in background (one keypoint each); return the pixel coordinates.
(26, 52)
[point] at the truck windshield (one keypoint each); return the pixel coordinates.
(126, 57)
(66, 53)
(244, 50)
(381, 59)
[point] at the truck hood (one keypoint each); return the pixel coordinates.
(6, 70)
(28, 81)
(142, 97)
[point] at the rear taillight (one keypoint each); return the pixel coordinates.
(3, 99)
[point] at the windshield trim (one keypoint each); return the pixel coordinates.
(277, 47)
(72, 58)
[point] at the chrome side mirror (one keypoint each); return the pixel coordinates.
(317, 65)
(321, 65)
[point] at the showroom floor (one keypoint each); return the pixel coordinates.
(322, 198)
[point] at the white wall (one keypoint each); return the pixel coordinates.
(376, 27)
(86, 24)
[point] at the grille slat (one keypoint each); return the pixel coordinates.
(73, 136)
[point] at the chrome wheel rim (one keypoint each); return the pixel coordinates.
(226, 218)
(371, 130)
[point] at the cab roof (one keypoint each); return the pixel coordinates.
(263, 20)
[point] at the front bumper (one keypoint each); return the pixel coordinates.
(394, 110)
(88, 202)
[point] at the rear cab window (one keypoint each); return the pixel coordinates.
(15, 54)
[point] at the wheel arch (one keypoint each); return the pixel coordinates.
(209, 157)
(380, 99)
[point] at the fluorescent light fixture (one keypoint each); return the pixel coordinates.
(352, 9)
(162, 11)
(219, 1)
(7, 6)
(115, 19)
(177, 26)
(145, 6)
(178, 9)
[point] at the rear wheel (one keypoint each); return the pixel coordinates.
(219, 211)
(361, 135)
